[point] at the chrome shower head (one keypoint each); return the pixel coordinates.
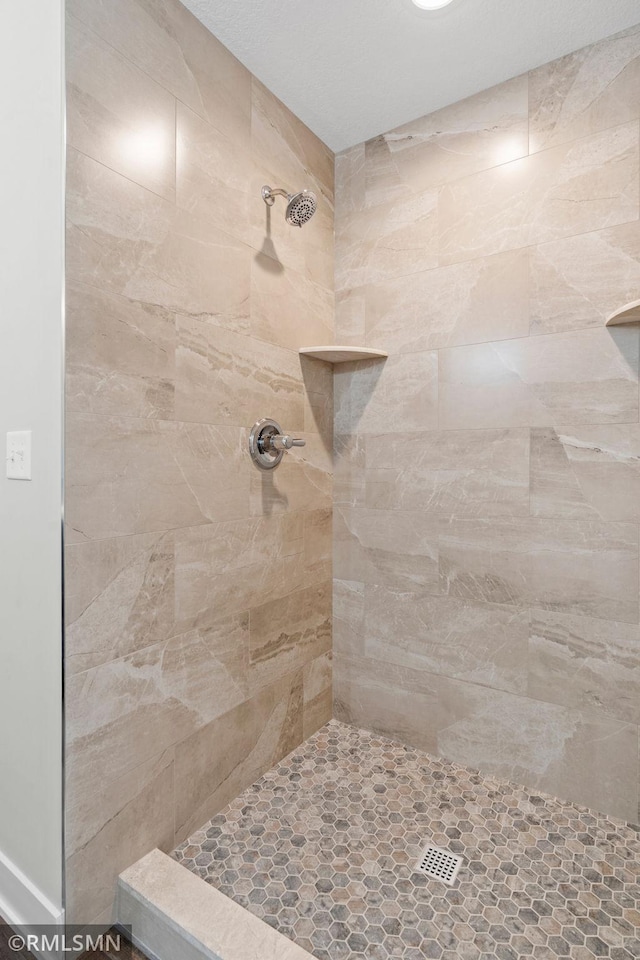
(300, 206)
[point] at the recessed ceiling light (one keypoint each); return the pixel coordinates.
(431, 4)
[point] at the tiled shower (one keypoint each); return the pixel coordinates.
(444, 580)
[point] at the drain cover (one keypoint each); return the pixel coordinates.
(439, 865)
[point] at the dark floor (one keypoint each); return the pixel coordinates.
(9, 952)
(323, 849)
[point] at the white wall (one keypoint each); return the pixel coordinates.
(31, 338)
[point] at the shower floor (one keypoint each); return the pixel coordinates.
(323, 846)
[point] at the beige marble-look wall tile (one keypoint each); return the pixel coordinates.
(225, 377)
(123, 713)
(350, 185)
(592, 89)
(387, 547)
(472, 302)
(117, 114)
(283, 144)
(588, 376)
(370, 396)
(350, 322)
(137, 476)
(128, 241)
(348, 617)
(216, 764)
(545, 746)
(388, 241)
(214, 175)
(318, 694)
(287, 309)
(178, 52)
(465, 473)
(288, 632)
(225, 569)
(303, 483)
(585, 185)
(119, 598)
(394, 701)
(317, 542)
(120, 355)
(584, 664)
(587, 472)
(479, 642)
(571, 566)
(349, 476)
(579, 281)
(475, 134)
(113, 827)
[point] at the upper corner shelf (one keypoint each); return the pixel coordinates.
(628, 314)
(342, 354)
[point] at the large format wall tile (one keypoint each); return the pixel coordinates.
(136, 476)
(348, 617)
(224, 570)
(119, 599)
(466, 473)
(118, 115)
(125, 712)
(318, 694)
(391, 700)
(216, 764)
(398, 238)
(188, 299)
(483, 131)
(574, 188)
(288, 632)
(113, 827)
(580, 281)
(120, 355)
(486, 475)
(545, 746)
(303, 484)
(585, 664)
(588, 376)
(480, 642)
(580, 567)
(214, 175)
(484, 299)
(171, 46)
(387, 547)
(218, 381)
(283, 144)
(286, 308)
(587, 472)
(592, 89)
(374, 396)
(128, 241)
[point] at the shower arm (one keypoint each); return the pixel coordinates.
(269, 194)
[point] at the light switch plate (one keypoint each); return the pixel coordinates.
(19, 455)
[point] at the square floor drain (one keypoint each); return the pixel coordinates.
(439, 865)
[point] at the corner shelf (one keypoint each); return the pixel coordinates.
(336, 354)
(627, 314)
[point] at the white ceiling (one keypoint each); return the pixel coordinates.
(352, 69)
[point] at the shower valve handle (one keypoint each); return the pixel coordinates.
(284, 442)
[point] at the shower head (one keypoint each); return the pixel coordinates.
(300, 206)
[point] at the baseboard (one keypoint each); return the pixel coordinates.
(22, 905)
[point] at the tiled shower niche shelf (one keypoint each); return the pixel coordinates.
(337, 354)
(627, 314)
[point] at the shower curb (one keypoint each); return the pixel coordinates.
(175, 915)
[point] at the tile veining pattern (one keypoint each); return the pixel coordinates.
(322, 848)
(487, 476)
(198, 590)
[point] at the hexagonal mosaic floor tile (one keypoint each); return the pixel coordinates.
(323, 847)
